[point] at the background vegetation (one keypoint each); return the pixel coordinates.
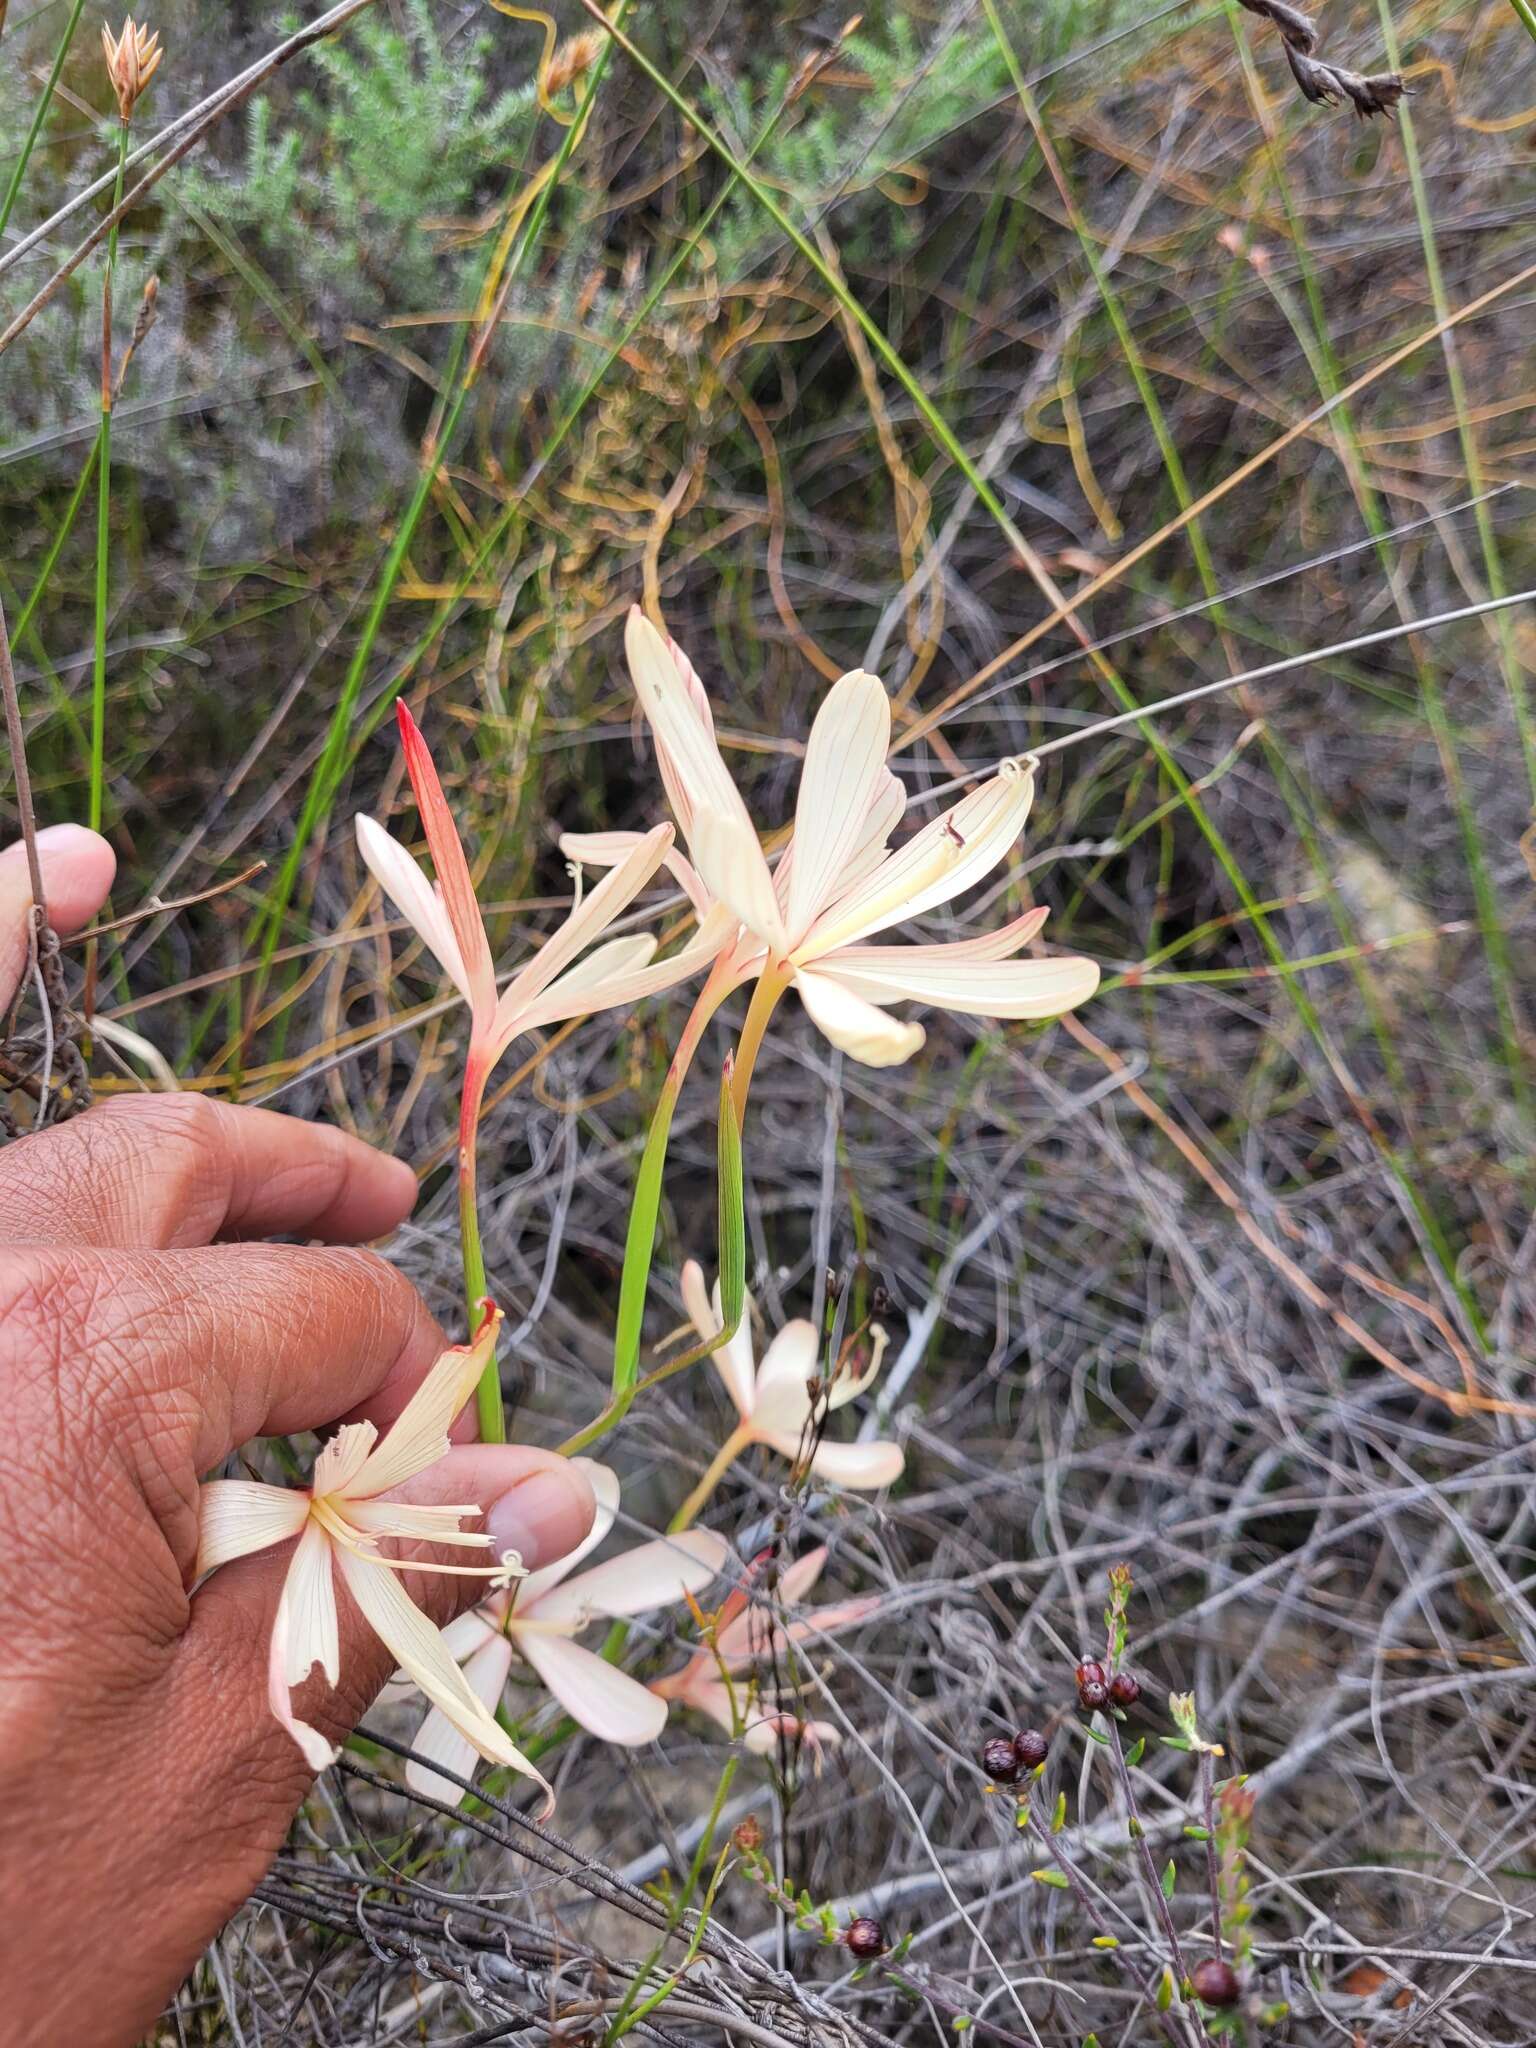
(1232, 1278)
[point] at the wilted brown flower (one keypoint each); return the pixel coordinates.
(132, 62)
(574, 56)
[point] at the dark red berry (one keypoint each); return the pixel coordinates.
(1030, 1746)
(1215, 1983)
(1091, 1672)
(999, 1759)
(1092, 1695)
(1124, 1690)
(865, 1939)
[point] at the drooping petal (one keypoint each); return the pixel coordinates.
(714, 1697)
(418, 1437)
(238, 1516)
(418, 1648)
(607, 849)
(948, 855)
(731, 864)
(781, 1402)
(403, 882)
(698, 697)
(863, 1467)
(854, 1025)
(839, 784)
(343, 1458)
(606, 1701)
(1000, 944)
(469, 1632)
(439, 1741)
(650, 1575)
(975, 988)
(453, 877)
(604, 1482)
(587, 922)
(305, 1633)
(733, 1359)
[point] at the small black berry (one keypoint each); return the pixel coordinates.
(865, 1939)
(1030, 1747)
(1092, 1695)
(1215, 1983)
(1000, 1760)
(1091, 1672)
(1124, 1690)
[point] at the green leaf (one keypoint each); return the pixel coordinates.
(1164, 1997)
(1096, 1735)
(1053, 1878)
(732, 1223)
(1170, 1879)
(1136, 1752)
(639, 1242)
(1059, 1817)
(1105, 1941)
(1197, 1834)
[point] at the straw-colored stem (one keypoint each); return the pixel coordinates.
(719, 1465)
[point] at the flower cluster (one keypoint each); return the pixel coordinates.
(804, 921)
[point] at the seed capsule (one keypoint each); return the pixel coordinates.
(1030, 1747)
(1000, 1759)
(1124, 1690)
(865, 1938)
(1215, 1983)
(1093, 1695)
(1091, 1672)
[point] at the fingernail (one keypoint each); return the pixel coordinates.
(542, 1517)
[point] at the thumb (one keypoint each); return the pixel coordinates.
(534, 1502)
(77, 867)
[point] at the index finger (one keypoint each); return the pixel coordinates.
(155, 1172)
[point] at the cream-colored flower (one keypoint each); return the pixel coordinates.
(749, 1633)
(774, 1399)
(838, 882)
(340, 1520)
(539, 1619)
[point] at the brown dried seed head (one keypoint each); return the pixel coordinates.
(574, 56)
(132, 61)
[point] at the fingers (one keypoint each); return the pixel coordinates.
(173, 1170)
(77, 866)
(537, 1504)
(176, 1358)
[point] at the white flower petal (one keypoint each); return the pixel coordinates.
(604, 1482)
(418, 1648)
(732, 1360)
(854, 1025)
(651, 1575)
(731, 863)
(308, 1609)
(606, 963)
(975, 988)
(237, 1516)
(419, 1435)
(620, 990)
(606, 1701)
(781, 1404)
(839, 784)
(864, 1467)
(686, 751)
(438, 1741)
(948, 855)
(847, 1386)
(591, 917)
(607, 849)
(342, 1458)
(403, 882)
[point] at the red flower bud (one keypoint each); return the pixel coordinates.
(1000, 1760)
(1215, 1983)
(865, 1938)
(1030, 1747)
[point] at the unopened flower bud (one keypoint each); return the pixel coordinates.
(1215, 1983)
(1093, 1695)
(1030, 1747)
(132, 61)
(1000, 1759)
(748, 1835)
(1091, 1672)
(1124, 1690)
(865, 1938)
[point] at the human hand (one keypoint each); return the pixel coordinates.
(144, 1334)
